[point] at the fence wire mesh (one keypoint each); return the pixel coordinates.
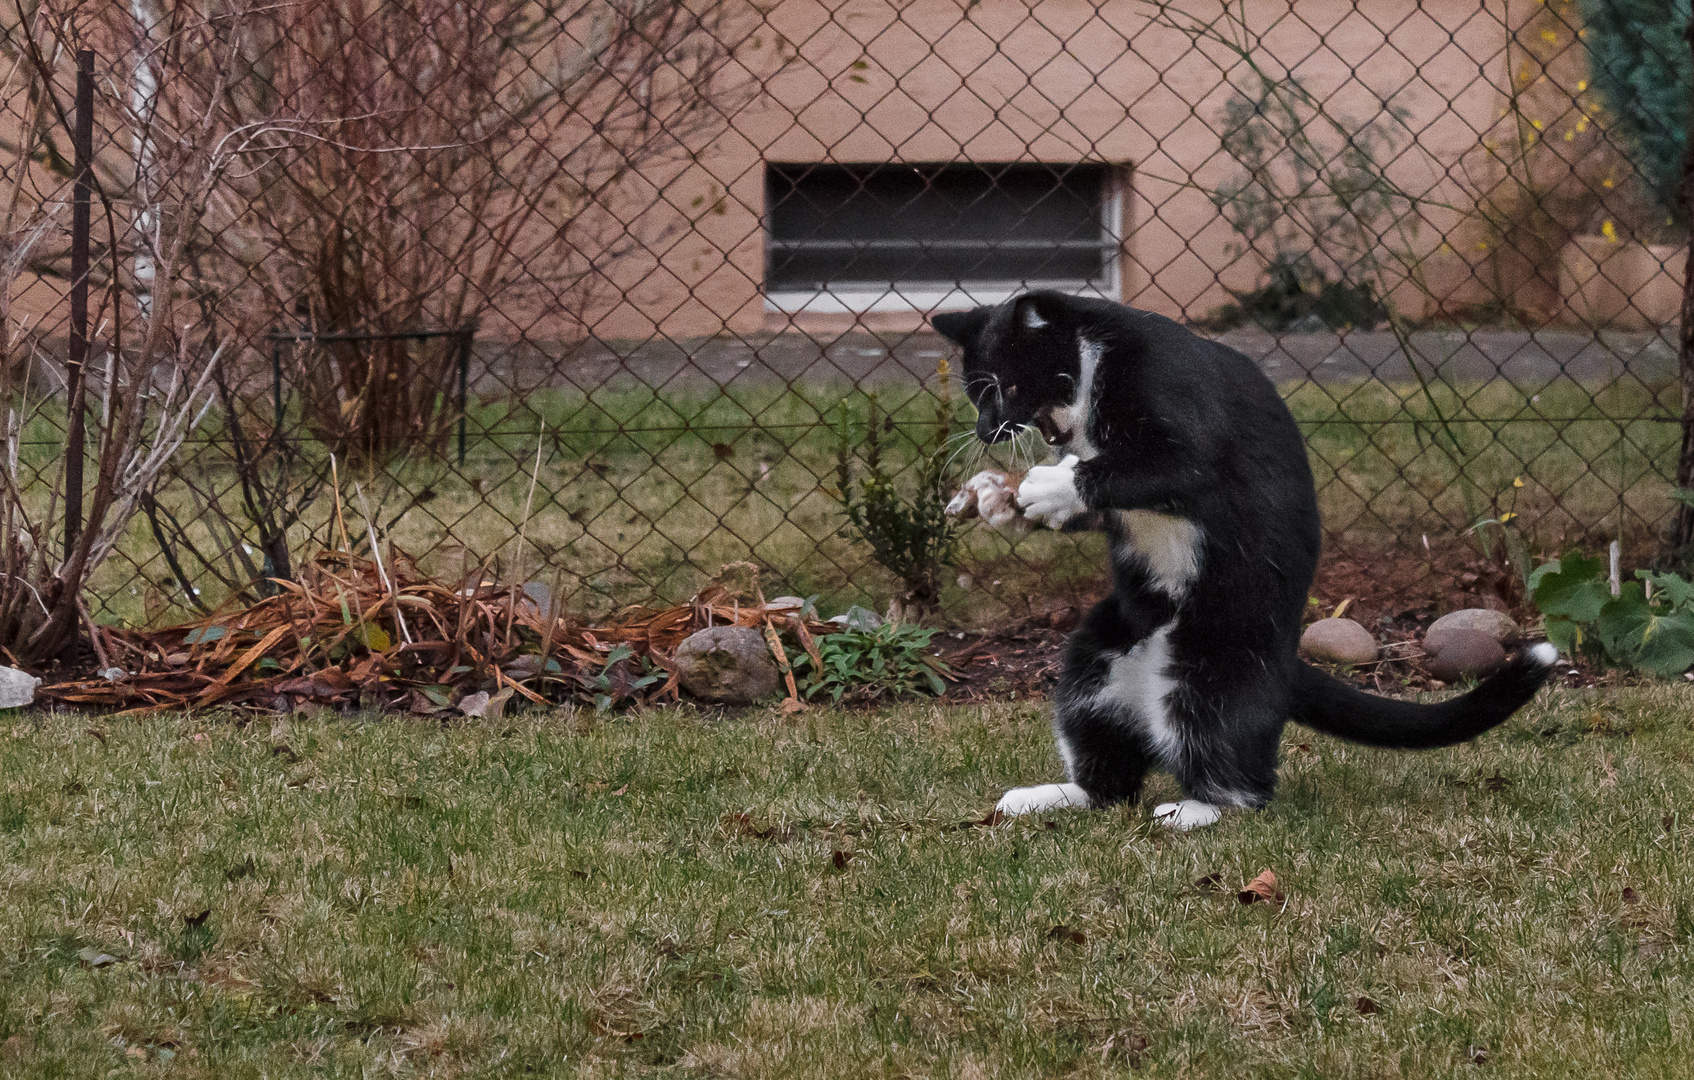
(594, 293)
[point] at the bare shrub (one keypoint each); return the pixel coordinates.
(150, 367)
(408, 166)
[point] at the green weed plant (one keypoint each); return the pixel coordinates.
(873, 663)
(1647, 626)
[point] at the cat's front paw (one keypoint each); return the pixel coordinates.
(1048, 493)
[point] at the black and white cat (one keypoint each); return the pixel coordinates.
(1188, 454)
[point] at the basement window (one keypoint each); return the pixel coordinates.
(885, 237)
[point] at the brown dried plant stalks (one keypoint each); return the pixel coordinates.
(408, 166)
(380, 633)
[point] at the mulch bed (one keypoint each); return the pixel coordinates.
(1395, 595)
(359, 633)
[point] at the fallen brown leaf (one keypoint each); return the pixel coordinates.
(1210, 883)
(1065, 935)
(1260, 888)
(740, 823)
(840, 859)
(1365, 1006)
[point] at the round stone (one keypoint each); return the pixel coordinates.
(1466, 654)
(731, 665)
(1338, 641)
(1496, 624)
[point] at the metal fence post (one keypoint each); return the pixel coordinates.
(77, 356)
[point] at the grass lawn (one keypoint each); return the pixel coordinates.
(642, 495)
(763, 896)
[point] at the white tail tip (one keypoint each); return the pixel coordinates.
(1546, 654)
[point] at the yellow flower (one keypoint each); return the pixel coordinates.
(1581, 86)
(1609, 231)
(1517, 482)
(1548, 35)
(1506, 517)
(1607, 182)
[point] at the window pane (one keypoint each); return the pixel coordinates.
(883, 224)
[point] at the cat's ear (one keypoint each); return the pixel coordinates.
(960, 327)
(1037, 310)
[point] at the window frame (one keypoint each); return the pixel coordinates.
(854, 298)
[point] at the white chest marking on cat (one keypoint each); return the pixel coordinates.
(1168, 546)
(1137, 685)
(1074, 417)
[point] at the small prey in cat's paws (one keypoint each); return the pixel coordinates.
(990, 495)
(1048, 493)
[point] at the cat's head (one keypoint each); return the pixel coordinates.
(1021, 364)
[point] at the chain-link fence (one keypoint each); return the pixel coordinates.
(598, 293)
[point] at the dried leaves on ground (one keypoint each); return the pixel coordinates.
(381, 634)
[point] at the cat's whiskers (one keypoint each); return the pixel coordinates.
(962, 448)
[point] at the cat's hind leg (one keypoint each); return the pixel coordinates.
(1219, 769)
(1104, 747)
(1105, 759)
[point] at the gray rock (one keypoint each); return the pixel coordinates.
(1338, 641)
(1466, 654)
(731, 665)
(1496, 624)
(541, 595)
(17, 688)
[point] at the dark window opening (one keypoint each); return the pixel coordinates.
(883, 225)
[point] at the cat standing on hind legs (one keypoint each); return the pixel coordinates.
(1186, 452)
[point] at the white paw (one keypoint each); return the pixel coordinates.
(1034, 800)
(1187, 814)
(1048, 493)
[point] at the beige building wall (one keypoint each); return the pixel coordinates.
(1062, 81)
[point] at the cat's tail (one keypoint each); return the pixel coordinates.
(1333, 707)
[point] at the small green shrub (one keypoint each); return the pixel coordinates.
(1299, 297)
(910, 535)
(1648, 631)
(889, 661)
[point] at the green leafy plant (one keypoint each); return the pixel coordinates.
(1641, 70)
(889, 661)
(1648, 626)
(623, 677)
(910, 534)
